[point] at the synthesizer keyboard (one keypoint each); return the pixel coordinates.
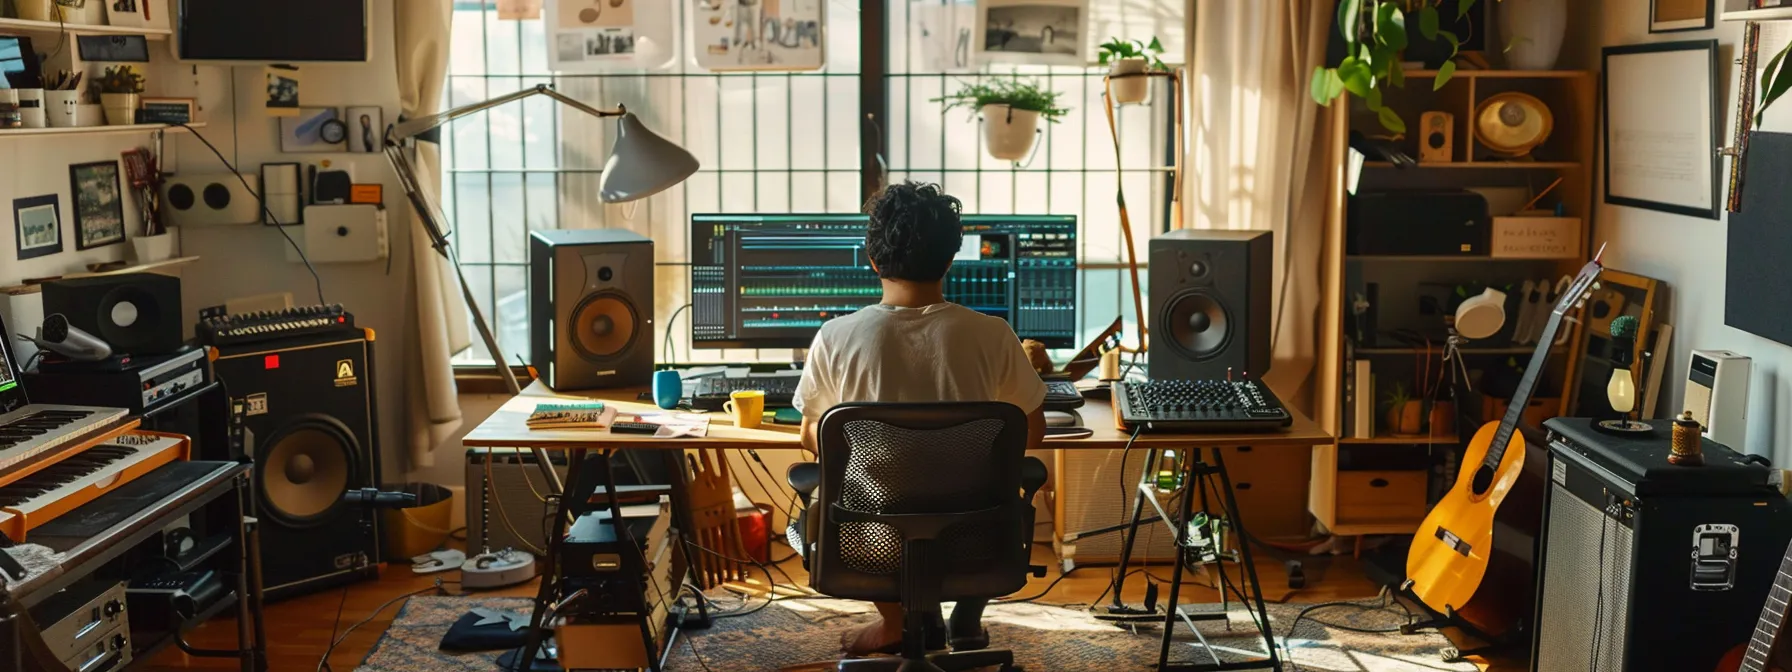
(1200, 406)
(42, 495)
(268, 325)
(40, 429)
(712, 392)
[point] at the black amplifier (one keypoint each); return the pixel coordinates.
(141, 383)
(613, 575)
(1419, 223)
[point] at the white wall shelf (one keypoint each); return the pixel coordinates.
(14, 26)
(1738, 10)
(96, 130)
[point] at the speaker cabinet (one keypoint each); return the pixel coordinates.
(1210, 296)
(591, 312)
(135, 313)
(308, 406)
(1437, 137)
(211, 199)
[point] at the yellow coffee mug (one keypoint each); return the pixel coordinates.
(747, 407)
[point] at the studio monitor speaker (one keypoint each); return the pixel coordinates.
(1210, 298)
(1437, 137)
(211, 199)
(135, 313)
(308, 404)
(591, 318)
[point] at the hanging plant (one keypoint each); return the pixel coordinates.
(1375, 34)
(1011, 110)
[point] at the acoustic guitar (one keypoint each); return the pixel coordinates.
(1468, 538)
(1767, 650)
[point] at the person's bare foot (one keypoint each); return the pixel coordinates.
(874, 638)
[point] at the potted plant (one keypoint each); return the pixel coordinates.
(1405, 414)
(121, 89)
(1011, 110)
(1131, 57)
(1375, 37)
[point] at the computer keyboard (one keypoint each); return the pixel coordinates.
(1200, 406)
(712, 392)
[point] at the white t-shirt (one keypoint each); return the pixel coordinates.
(942, 352)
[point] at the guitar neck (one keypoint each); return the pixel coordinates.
(1521, 397)
(1761, 646)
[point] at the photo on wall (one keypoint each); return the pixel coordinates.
(759, 34)
(312, 130)
(592, 32)
(99, 204)
(37, 226)
(365, 130)
(1033, 32)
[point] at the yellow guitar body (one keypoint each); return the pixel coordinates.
(1451, 550)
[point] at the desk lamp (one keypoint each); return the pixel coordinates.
(640, 165)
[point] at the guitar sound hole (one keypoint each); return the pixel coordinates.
(1483, 480)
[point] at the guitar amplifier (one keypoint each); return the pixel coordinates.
(1648, 565)
(1419, 223)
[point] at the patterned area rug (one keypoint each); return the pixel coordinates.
(1044, 638)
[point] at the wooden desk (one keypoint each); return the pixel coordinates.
(506, 429)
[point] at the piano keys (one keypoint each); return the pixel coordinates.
(41, 429)
(54, 488)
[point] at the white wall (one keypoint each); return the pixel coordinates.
(1689, 253)
(237, 261)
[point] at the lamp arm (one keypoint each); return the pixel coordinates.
(411, 128)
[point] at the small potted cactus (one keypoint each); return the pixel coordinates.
(121, 91)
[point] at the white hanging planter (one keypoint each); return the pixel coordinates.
(1129, 90)
(1008, 133)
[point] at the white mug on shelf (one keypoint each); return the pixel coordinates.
(60, 107)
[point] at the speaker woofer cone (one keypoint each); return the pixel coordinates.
(305, 471)
(1197, 324)
(603, 326)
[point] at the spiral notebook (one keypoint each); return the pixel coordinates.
(592, 415)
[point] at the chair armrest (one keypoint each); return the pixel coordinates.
(804, 477)
(1032, 476)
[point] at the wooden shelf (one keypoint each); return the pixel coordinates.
(96, 130)
(1503, 74)
(1520, 350)
(1440, 257)
(53, 27)
(1768, 14)
(1482, 165)
(138, 268)
(1391, 440)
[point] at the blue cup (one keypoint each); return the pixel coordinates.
(668, 389)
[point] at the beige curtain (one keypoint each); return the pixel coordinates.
(432, 414)
(1256, 152)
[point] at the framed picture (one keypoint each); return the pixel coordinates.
(38, 225)
(1661, 127)
(365, 130)
(1032, 32)
(314, 129)
(128, 13)
(113, 48)
(99, 204)
(758, 35)
(1670, 16)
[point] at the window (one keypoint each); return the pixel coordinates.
(775, 143)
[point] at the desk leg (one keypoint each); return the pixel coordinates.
(1132, 528)
(548, 593)
(1244, 549)
(1184, 509)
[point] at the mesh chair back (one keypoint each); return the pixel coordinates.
(923, 459)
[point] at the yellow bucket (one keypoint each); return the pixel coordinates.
(416, 530)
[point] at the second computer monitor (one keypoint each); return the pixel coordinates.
(770, 281)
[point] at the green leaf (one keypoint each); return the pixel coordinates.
(1444, 73)
(1428, 22)
(1366, 54)
(1782, 80)
(1357, 77)
(1326, 85)
(1390, 26)
(1462, 7)
(1373, 100)
(1455, 43)
(1349, 19)
(1155, 47)
(1391, 120)
(1396, 74)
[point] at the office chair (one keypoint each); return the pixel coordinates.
(921, 503)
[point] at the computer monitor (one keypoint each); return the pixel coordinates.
(770, 281)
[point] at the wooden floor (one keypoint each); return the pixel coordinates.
(298, 629)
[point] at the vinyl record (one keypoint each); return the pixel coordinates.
(305, 472)
(1197, 324)
(603, 326)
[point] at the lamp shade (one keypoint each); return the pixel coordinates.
(642, 164)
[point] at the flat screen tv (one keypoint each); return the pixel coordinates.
(272, 31)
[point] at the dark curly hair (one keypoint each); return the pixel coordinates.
(914, 233)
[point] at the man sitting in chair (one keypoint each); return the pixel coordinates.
(915, 347)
